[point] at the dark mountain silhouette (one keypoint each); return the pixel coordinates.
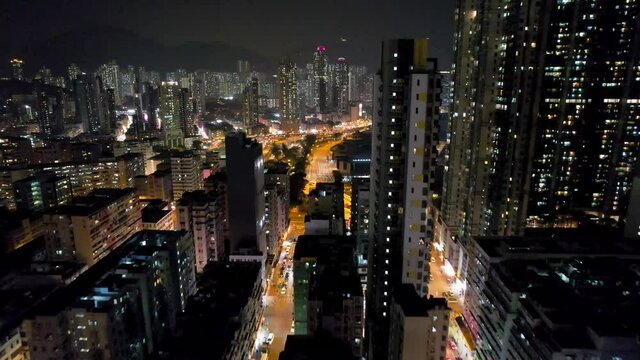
(91, 47)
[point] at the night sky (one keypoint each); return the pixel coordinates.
(269, 29)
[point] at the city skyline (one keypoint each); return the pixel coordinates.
(262, 180)
(92, 34)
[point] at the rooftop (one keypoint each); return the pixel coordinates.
(559, 242)
(152, 215)
(318, 347)
(323, 246)
(572, 286)
(213, 314)
(413, 305)
(97, 200)
(275, 167)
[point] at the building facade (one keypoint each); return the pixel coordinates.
(288, 95)
(202, 214)
(245, 194)
(186, 173)
(419, 326)
(402, 178)
(91, 227)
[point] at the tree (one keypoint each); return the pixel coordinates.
(297, 182)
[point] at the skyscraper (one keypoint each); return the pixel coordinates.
(186, 173)
(588, 128)
(50, 108)
(110, 75)
(250, 106)
(341, 85)
(73, 71)
(404, 135)
(186, 113)
(17, 69)
(199, 91)
(320, 68)
(245, 194)
(171, 106)
(542, 119)
(288, 94)
(87, 101)
(44, 75)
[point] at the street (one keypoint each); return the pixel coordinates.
(441, 286)
(321, 166)
(278, 301)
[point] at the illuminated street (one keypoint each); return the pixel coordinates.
(279, 307)
(442, 285)
(321, 166)
(278, 313)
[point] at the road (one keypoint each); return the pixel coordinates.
(441, 283)
(321, 165)
(278, 313)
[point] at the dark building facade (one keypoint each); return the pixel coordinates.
(245, 193)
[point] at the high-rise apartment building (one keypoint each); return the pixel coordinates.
(245, 194)
(360, 192)
(320, 80)
(84, 176)
(198, 89)
(250, 106)
(543, 120)
(588, 124)
(17, 71)
(405, 126)
(44, 76)
(288, 95)
(125, 307)
(171, 110)
(202, 214)
(110, 75)
(87, 101)
(186, 173)
(341, 85)
(73, 71)
(91, 227)
(50, 107)
(42, 191)
(277, 174)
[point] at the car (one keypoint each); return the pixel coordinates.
(453, 345)
(283, 291)
(270, 338)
